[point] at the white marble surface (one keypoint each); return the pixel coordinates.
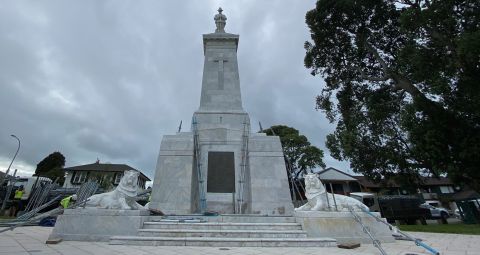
(97, 224)
(342, 226)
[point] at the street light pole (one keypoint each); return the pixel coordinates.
(18, 148)
(8, 170)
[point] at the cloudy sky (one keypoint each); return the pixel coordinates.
(106, 79)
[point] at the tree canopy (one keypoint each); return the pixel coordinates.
(52, 167)
(401, 85)
(299, 154)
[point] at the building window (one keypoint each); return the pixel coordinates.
(118, 177)
(141, 183)
(446, 189)
(79, 177)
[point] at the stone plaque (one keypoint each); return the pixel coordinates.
(221, 172)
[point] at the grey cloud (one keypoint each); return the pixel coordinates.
(108, 78)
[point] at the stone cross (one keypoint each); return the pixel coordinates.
(221, 76)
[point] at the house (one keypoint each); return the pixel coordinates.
(389, 188)
(439, 191)
(436, 191)
(341, 182)
(106, 172)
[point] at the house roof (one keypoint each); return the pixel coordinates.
(427, 181)
(370, 184)
(333, 174)
(432, 181)
(465, 195)
(105, 168)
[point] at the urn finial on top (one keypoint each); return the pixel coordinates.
(220, 21)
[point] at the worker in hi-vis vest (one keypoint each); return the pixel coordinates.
(19, 193)
(17, 201)
(66, 201)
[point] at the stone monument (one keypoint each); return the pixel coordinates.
(122, 197)
(220, 165)
(328, 215)
(104, 215)
(320, 200)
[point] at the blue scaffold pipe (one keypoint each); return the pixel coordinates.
(369, 213)
(430, 249)
(417, 241)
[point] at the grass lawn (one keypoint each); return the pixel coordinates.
(453, 228)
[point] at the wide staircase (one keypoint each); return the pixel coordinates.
(223, 230)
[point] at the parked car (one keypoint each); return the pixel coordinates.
(397, 207)
(436, 212)
(458, 215)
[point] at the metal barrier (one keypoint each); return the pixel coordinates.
(34, 211)
(55, 211)
(87, 190)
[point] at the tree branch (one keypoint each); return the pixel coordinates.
(377, 57)
(372, 78)
(401, 82)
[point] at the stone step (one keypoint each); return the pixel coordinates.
(223, 242)
(231, 218)
(256, 219)
(223, 233)
(222, 226)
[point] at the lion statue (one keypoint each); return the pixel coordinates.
(317, 198)
(122, 197)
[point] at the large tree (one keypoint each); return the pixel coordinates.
(300, 154)
(401, 85)
(52, 167)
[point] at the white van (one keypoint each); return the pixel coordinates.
(368, 199)
(28, 182)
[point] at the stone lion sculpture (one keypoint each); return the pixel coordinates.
(317, 198)
(122, 197)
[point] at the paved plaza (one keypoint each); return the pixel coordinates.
(31, 240)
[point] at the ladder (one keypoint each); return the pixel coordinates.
(243, 167)
(198, 166)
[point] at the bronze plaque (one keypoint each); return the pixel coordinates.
(221, 172)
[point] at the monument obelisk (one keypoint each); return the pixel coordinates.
(220, 166)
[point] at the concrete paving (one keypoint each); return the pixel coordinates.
(31, 240)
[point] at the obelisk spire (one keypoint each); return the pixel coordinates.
(221, 83)
(220, 21)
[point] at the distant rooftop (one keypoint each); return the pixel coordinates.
(427, 181)
(105, 167)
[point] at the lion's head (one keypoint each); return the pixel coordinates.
(313, 184)
(129, 183)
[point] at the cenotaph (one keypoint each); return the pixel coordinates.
(220, 165)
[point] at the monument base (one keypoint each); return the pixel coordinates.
(93, 224)
(342, 226)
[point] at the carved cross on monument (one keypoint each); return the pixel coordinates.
(221, 76)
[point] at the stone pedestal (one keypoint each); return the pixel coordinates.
(92, 224)
(342, 226)
(174, 187)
